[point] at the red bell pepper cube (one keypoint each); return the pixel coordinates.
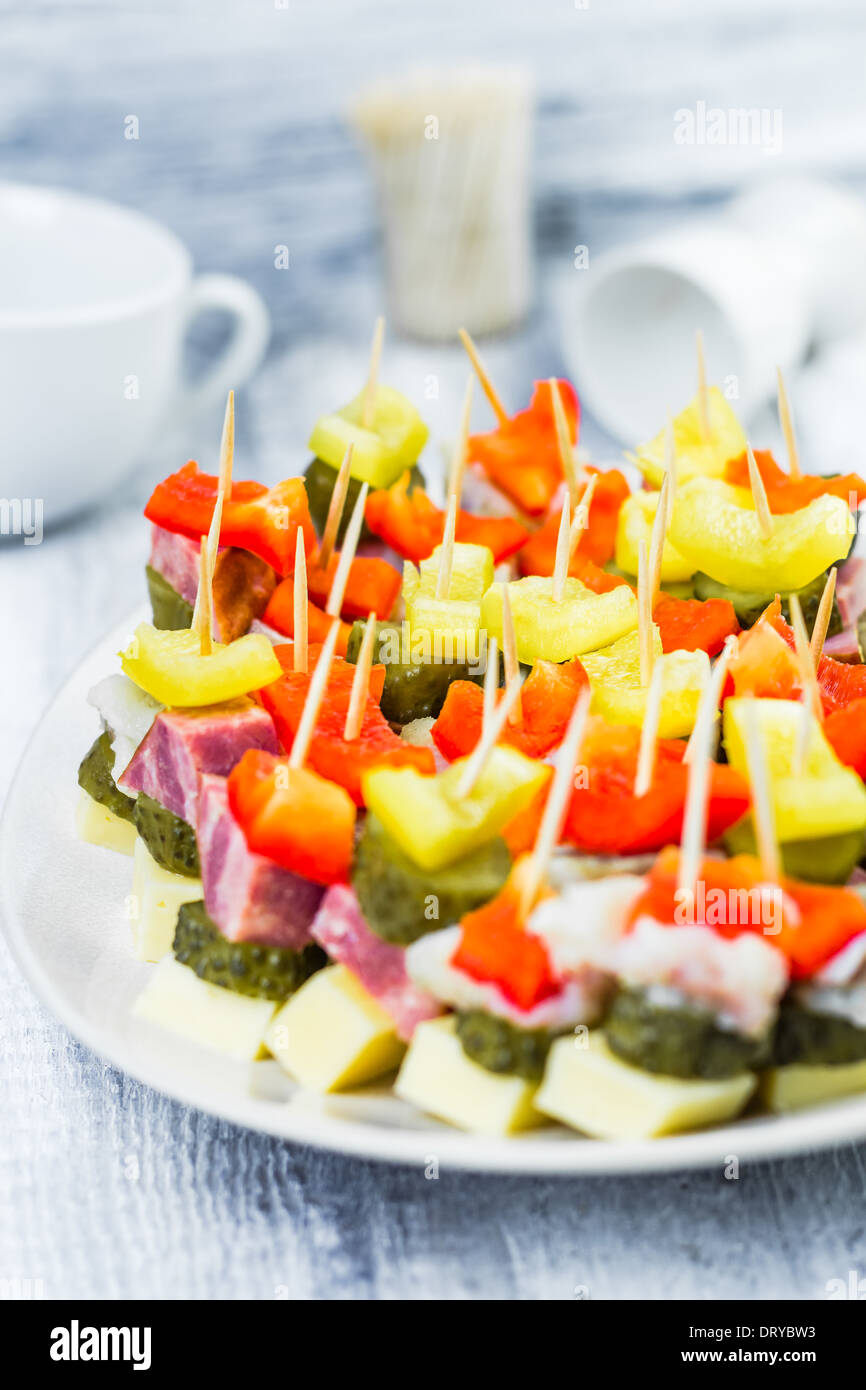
(547, 699)
(330, 754)
(691, 625)
(495, 948)
(787, 494)
(262, 520)
(521, 457)
(280, 615)
(413, 526)
(816, 922)
(293, 816)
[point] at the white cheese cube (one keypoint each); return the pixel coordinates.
(332, 1034)
(176, 999)
(438, 1077)
(794, 1087)
(153, 905)
(99, 826)
(586, 1086)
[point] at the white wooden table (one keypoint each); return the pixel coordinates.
(105, 1187)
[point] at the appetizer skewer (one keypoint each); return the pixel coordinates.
(351, 852)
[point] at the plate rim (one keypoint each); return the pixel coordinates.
(756, 1139)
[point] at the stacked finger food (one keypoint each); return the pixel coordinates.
(543, 805)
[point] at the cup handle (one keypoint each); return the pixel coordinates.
(242, 353)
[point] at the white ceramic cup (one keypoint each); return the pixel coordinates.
(95, 303)
(779, 268)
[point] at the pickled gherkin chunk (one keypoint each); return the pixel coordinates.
(402, 902)
(260, 972)
(170, 840)
(413, 689)
(814, 859)
(170, 611)
(96, 777)
(749, 605)
(808, 1037)
(320, 478)
(683, 1041)
(501, 1046)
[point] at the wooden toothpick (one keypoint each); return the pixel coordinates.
(822, 619)
(805, 662)
(658, 536)
(580, 520)
(299, 600)
(509, 652)
(570, 470)
(762, 804)
(361, 681)
(649, 733)
(202, 618)
(446, 550)
(703, 393)
(561, 789)
(368, 404)
(698, 791)
(477, 760)
(312, 704)
(347, 555)
(714, 695)
(335, 510)
(458, 461)
(787, 424)
(491, 684)
(484, 377)
(644, 617)
(759, 493)
(227, 447)
(563, 552)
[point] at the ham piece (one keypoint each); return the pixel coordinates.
(340, 928)
(249, 897)
(184, 743)
(242, 583)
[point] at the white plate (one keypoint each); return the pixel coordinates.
(64, 918)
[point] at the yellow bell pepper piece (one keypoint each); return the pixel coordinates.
(450, 628)
(170, 667)
(715, 526)
(548, 629)
(617, 693)
(824, 798)
(471, 573)
(635, 524)
(390, 445)
(451, 623)
(433, 823)
(695, 456)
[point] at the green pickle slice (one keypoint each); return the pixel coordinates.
(260, 972)
(684, 1041)
(96, 776)
(810, 1038)
(817, 859)
(402, 902)
(413, 689)
(749, 605)
(320, 478)
(170, 840)
(499, 1045)
(170, 611)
